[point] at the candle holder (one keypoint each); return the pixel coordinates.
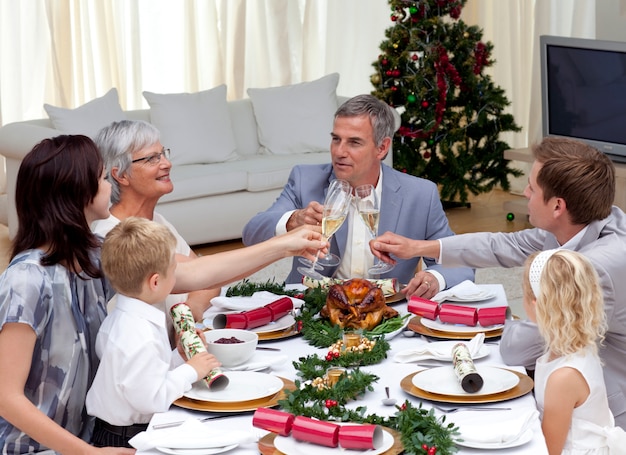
(334, 374)
(351, 339)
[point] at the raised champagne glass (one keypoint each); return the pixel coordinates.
(334, 213)
(368, 205)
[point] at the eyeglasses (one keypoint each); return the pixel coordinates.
(154, 158)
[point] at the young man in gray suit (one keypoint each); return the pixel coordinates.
(571, 188)
(360, 140)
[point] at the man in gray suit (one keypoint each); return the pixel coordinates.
(360, 140)
(570, 191)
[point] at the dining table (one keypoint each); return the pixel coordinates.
(393, 376)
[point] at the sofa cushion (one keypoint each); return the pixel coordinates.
(269, 172)
(296, 118)
(195, 126)
(89, 118)
(199, 180)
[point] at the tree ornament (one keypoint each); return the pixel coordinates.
(425, 104)
(510, 216)
(466, 35)
(411, 98)
(395, 45)
(375, 79)
(394, 88)
(394, 18)
(385, 62)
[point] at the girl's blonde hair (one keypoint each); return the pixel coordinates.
(570, 304)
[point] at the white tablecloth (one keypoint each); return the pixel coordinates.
(390, 373)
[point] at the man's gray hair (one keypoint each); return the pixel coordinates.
(380, 113)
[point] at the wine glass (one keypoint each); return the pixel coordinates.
(368, 205)
(334, 213)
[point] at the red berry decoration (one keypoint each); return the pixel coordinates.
(336, 354)
(432, 450)
(330, 403)
(425, 447)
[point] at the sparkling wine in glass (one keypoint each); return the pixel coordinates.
(368, 205)
(334, 213)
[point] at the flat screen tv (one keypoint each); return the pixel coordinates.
(583, 88)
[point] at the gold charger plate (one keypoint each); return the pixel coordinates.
(279, 334)
(415, 324)
(266, 445)
(524, 386)
(240, 406)
(395, 298)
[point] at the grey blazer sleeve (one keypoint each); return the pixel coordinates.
(305, 184)
(521, 344)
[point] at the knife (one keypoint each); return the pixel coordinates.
(266, 348)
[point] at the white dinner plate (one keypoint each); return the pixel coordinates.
(280, 324)
(291, 446)
(436, 324)
(443, 381)
(524, 438)
(200, 451)
(243, 386)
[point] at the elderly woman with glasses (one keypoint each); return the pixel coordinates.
(138, 168)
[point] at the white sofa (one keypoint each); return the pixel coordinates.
(211, 201)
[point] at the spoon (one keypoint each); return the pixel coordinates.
(388, 401)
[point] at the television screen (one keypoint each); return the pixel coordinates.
(584, 92)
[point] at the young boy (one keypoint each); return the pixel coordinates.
(138, 373)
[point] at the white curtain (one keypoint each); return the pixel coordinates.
(67, 52)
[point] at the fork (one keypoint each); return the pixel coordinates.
(468, 408)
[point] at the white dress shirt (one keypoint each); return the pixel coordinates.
(357, 257)
(139, 374)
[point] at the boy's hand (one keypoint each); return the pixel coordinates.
(203, 363)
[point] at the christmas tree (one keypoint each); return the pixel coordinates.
(432, 70)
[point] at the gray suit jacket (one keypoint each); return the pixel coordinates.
(410, 206)
(604, 244)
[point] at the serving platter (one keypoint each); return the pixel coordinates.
(524, 386)
(415, 324)
(243, 406)
(267, 446)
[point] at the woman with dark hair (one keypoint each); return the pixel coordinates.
(52, 300)
(53, 296)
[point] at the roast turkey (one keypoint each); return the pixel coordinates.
(356, 304)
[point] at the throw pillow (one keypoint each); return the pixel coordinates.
(195, 126)
(296, 118)
(89, 118)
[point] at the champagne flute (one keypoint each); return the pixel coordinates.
(368, 205)
(334, 213)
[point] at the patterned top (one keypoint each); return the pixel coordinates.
(65, 311)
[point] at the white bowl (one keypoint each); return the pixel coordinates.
(231, 354)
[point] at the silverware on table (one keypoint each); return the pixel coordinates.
(180, 422)
(266, 348)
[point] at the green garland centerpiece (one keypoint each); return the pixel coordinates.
(316, 396)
